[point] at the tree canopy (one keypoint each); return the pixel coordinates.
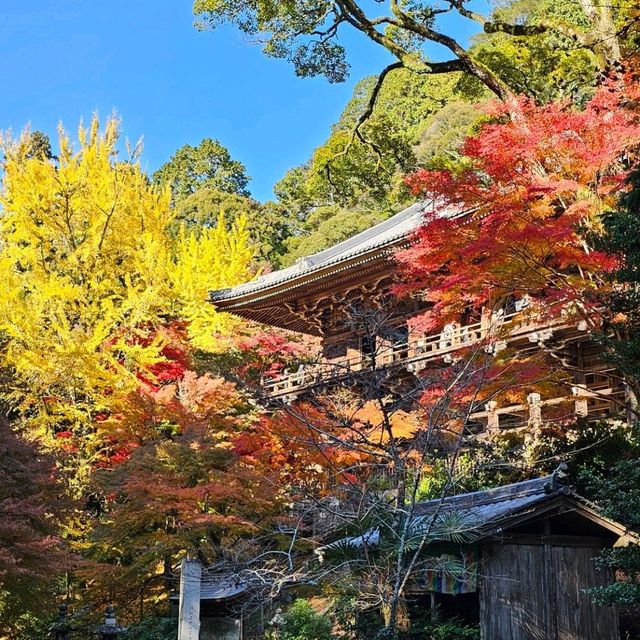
(207, 165)
(135, 427)
(89, 267)
(308, 33)
(403, 120)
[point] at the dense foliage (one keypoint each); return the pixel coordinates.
(88, 270)
(99, 303)
(535, 186)
(32, 514)
(407, 119)
(207, 183)
(133, 430)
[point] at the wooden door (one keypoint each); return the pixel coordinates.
(576, 617)
(512, 597)
(536, 592)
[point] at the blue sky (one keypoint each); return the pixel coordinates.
(64, 59)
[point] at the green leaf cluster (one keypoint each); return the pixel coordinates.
(206, 181)
(302, 622)
(207, 165)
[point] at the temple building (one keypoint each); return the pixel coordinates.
(343, 298)
(529, 549)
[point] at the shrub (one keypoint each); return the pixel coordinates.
(153, 629)
(302, 622)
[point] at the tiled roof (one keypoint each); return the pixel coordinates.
(476, 514)
(381, 235)
(481, 514)
(487, 509)
(221, 587)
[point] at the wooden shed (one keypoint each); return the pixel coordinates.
(531, 558)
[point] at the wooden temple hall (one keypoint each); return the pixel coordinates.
(341, 297)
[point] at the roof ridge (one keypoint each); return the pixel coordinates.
(406, 220)
(494, 494)
(365, 234)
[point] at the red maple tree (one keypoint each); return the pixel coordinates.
(517, 218)
(32, 508)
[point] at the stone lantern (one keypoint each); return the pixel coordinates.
(60, 629)
(110, 630)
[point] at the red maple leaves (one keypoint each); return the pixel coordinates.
(517, 218)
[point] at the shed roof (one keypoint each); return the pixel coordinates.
(491, 511)
(483, 514)
(221, 587)
(485, 511)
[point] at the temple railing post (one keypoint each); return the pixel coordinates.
(581, 402)
(493, 419)
(535, 410)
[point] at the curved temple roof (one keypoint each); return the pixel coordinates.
(278, 298)
(382, 235)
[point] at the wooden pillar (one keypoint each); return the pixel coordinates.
(581, 404)
(493, 420)
(631, 404)
(189, 606)
(535, 410)
(485, 322)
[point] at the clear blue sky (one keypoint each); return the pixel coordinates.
(64, 59)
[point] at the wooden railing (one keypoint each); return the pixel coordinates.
(583, 403)
(492, 334)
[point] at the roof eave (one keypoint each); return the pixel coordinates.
(291, 286)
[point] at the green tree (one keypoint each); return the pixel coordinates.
(367, 169)
(153, 628)
(622, 332)
(614, 481)
(205, 182)
(39, 146)
(443, 134)
(307, 33)
(350, 183)
(614, 487)
(547, 65)
(268, 224)
(326, 226)
(207, 165)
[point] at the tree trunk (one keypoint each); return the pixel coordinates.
(603, 37)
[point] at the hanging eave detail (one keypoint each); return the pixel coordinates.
(276, 298)
(279, 305)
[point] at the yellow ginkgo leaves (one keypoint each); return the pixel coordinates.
(87, 267)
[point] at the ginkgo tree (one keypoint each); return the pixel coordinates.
(88, 268)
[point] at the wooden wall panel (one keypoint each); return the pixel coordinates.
(512, 599)
(576, 617)
(536, 592)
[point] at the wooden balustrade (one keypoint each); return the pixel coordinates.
(414, 354)
(583, 403)
(493, 334)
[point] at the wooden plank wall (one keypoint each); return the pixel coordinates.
(576, 616)
(535, 592)
(513, 593)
